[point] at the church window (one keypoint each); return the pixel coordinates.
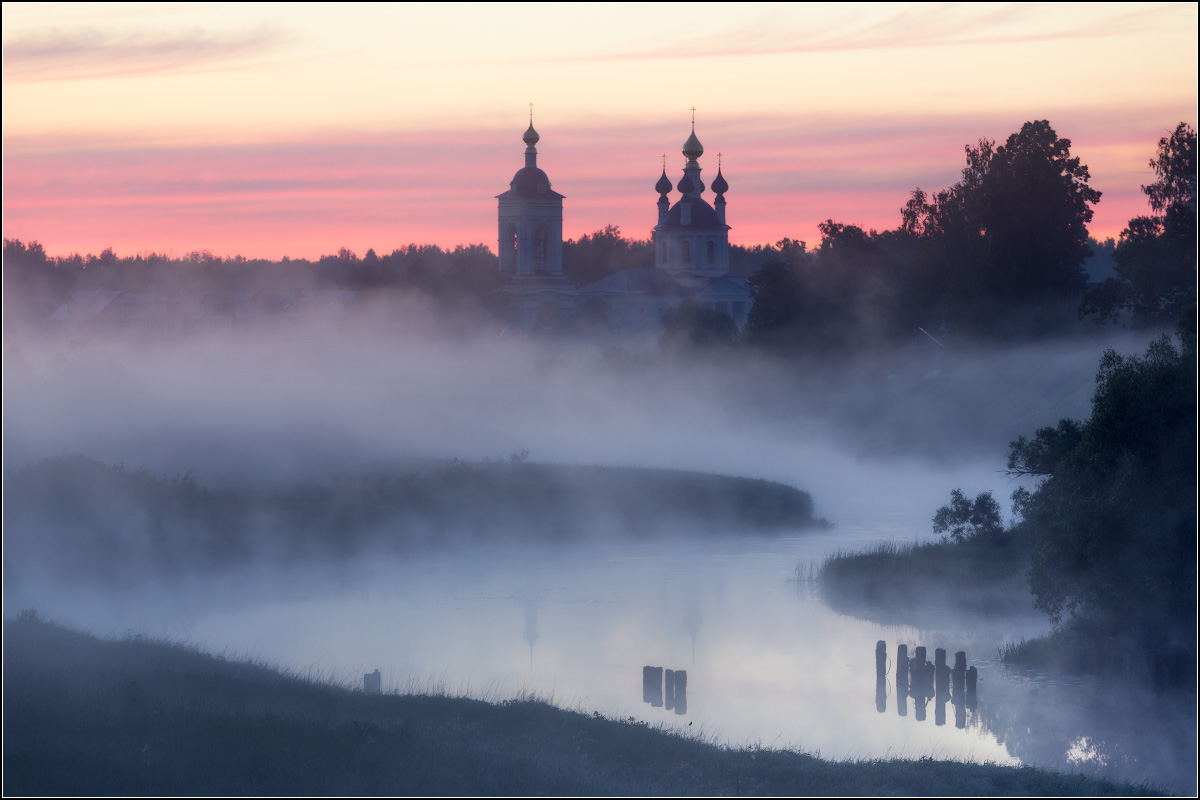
(539, 247)
(685, 252)
(510, 247)
(712, 252)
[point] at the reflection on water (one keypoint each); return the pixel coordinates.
(665, 689)
(920, 680)
(752, 657)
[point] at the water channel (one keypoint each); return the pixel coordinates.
(767, 662)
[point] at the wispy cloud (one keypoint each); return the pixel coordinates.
(92, 52)
(927, 27)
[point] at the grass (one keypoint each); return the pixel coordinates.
(971, 575)
(85, 716)
(1075, 647)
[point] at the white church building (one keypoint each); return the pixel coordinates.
(691, 257)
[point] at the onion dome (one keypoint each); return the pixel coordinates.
(720, 185)
(530, 138)
(664, 183)
(692, 148)
(685, 185)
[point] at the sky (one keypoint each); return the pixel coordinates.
(297, 129)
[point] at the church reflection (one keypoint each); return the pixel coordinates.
(665, 688)
(922, 681)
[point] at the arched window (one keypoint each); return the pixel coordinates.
(712, 252)
(685, 252)
(510, 248)
(539, 248)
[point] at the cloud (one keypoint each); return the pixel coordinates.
(937, 26)
(89, 52)
(311, 195)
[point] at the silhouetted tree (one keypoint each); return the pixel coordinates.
(603, 253)
(690, 325)
(1114, 514)
(964, 520)
(1155, 259)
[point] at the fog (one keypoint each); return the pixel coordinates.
(392, 391)
(385, 387)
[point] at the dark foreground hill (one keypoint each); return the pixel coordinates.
(75, 515)
(84, 716)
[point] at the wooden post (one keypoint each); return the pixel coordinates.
(941, 675)
(917, 681)
(959, 674)
(902, 676)
(958, 679)
(652, 685)
(680, 692)
(880, 659)
(669, 689)
(969, 695)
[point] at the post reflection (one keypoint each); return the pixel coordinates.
(666, 689)
(923, 681)
(881, 676)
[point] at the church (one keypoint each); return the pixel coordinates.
(691, 257)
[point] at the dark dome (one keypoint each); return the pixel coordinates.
(692, 148)
(664, 183)
(531, 136)
(530, 182)
(720, 186)
(685, 185)
(703, 216)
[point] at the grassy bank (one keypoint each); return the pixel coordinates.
(88, 716)
(77, 515)
(900, 578)
(1075, 647)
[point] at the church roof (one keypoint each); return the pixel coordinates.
(664, 183)
(660, 283)
(720, 185)
(530, 183)
(655, 282)
(703, 216)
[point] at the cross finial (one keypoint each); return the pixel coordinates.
(664, 160)
(693, 116)
(531, 113)
(718, 160)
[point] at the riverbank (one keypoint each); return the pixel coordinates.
(891, 582)
(77, 517)
(89, 716)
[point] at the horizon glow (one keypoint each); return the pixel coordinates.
(247, 130)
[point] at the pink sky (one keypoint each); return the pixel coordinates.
(173, 144)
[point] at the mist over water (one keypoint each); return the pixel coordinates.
(878, 443)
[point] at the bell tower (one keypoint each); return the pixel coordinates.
(530, 219)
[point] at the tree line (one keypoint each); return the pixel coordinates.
(464, 278)
(999, 255)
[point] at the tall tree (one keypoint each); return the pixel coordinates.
(1113, 516)
(1155, 259)
(1033, 207)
